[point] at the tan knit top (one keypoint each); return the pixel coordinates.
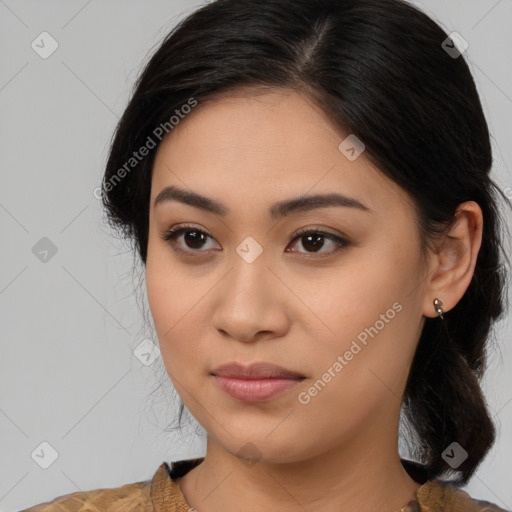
(162, 494)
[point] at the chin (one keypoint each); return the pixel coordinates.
(260, 447)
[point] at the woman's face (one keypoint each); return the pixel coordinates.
(342, 310)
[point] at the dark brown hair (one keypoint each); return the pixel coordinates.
(379, 69)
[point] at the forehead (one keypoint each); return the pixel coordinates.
(247, 148)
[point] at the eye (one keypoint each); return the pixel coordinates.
(195, 239)
(314, 239)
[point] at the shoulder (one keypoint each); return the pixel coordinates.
(134, 497)
(439, 496)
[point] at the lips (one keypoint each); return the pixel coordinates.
(258, 382)
(255, 371)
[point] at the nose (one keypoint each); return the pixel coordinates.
(250, 302)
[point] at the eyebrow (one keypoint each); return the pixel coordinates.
(276, 211)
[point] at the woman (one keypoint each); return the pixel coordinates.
(308, 186)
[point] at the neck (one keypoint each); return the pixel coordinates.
(362, 475)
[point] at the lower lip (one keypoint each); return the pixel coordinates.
(255, 390)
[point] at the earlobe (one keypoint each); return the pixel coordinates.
(453, 263)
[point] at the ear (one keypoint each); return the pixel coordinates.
(453, 263)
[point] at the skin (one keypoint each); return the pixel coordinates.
(293, 306)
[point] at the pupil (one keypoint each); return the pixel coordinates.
(191, 239)
(316, 244)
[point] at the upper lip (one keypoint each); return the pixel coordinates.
(255, 371)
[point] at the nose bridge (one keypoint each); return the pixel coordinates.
(247, 301)
(248, 276)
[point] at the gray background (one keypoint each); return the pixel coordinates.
(71, 325)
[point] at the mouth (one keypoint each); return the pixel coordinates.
(257, 382)
(255, 371)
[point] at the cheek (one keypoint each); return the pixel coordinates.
(368, 315)
(170, 293)
(353, 296)
(175, 305)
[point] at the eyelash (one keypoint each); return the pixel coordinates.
(170, 235)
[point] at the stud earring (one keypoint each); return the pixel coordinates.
(438, 307)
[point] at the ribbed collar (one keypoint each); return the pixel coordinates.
(165, 492)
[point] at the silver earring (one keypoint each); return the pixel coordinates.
(438, 307)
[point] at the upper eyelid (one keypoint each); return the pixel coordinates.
(300, 232)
